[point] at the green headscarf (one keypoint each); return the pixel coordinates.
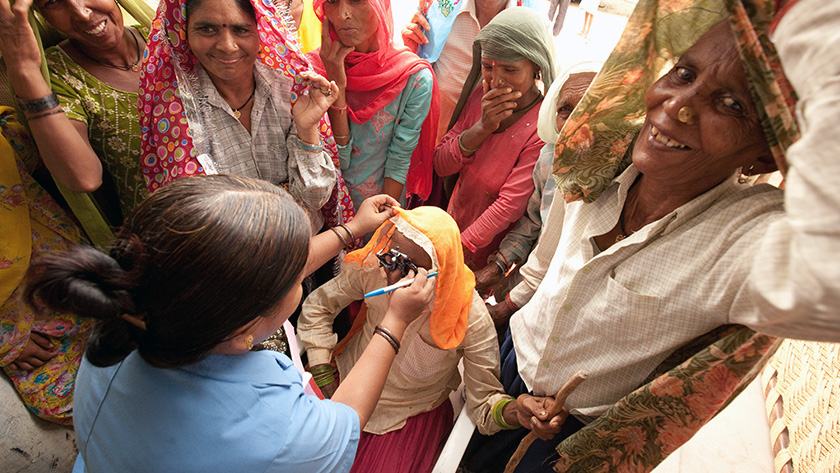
(513, 35)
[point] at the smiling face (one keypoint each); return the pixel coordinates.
(724, 132)
(570, 95)
(97, 24)
(355, 23)
(519, 75)
(224, 39)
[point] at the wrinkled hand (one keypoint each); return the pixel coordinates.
(18, 45)
(408, 303)
(532, 413)
(486, 278)
(500, 313)
(332, 55)
(372, 213)
(38, 350)
(413, 33)
(310, 107)
(496, 105)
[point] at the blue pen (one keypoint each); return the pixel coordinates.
(393, 287)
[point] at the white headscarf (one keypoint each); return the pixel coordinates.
(547, 123)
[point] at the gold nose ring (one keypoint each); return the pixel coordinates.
(685, 114)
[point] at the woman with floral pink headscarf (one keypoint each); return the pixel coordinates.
(216, 87)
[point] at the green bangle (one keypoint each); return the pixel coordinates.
(323, 381)
(323, 375)
(321, 369)
(498, 416)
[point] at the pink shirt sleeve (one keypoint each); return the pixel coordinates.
(448, 157)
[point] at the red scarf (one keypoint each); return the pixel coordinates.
(375, 79)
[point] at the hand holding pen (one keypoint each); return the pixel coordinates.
(408, 302)
(395, 286)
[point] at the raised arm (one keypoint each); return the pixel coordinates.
(414, 32)
(63, 143)
(369, 216)
(310, 169)
(363, 385)
(519, 242)
(332, 55)
(793, 287)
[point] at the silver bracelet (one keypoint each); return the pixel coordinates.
(387, 335)
(349, 233)
(38, 105)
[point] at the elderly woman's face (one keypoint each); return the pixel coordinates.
(719, 129)
(355, 23)
(98, 24)
(519, 75)
(570, 94)
(224, 39)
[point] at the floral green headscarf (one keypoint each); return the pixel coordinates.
(595, 144)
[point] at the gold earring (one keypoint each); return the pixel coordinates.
(685, 114)
(249, 342)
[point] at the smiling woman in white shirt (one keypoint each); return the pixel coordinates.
(675, 246)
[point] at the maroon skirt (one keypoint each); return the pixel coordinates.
(412, 449)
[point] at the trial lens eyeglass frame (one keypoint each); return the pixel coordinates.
(394, 259)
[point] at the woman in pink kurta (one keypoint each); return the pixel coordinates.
(494, 143)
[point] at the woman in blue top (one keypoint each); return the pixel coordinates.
(204, 269)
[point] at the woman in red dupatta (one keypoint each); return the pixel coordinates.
(388, 94)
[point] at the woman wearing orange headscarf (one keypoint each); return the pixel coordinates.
(385, 115)
(414, 414)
